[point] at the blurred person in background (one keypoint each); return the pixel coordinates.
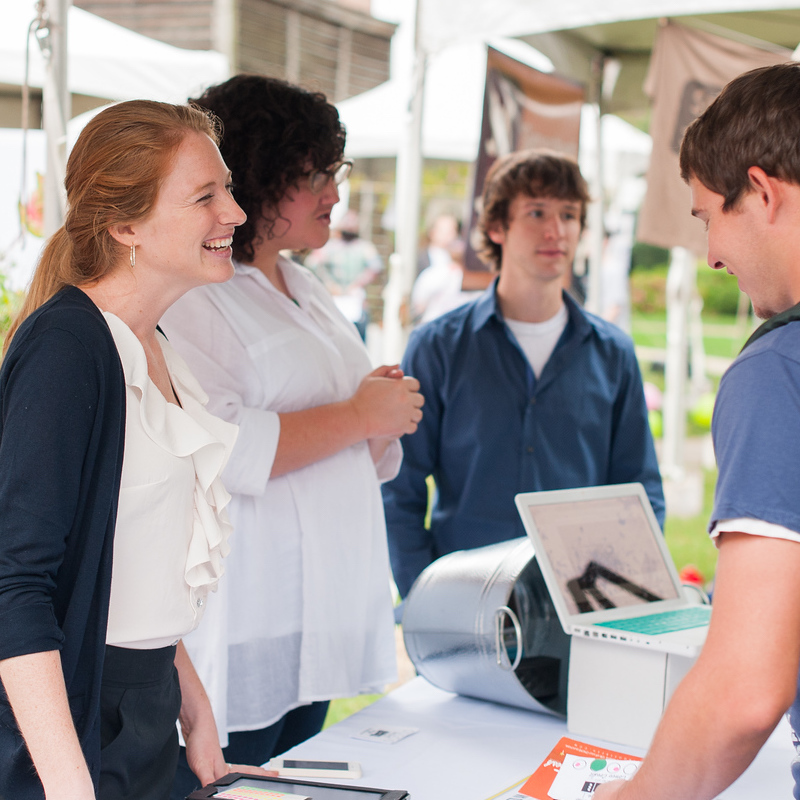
(347, 264)
(441, 233)
(439, 288)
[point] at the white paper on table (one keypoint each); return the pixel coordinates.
(579, 776)
(385, 735)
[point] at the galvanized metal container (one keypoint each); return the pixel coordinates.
(481, 623)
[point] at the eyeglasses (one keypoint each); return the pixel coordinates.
(338, 173)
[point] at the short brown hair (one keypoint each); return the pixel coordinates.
(535, 173)
(755, 122)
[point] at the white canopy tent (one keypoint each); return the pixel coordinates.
(106, 62)
(572, 32)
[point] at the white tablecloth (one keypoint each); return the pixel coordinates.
(472, 750)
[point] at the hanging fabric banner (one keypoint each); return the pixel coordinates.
(522, 108)
(688, 69)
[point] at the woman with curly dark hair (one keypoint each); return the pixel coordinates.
(304, 611)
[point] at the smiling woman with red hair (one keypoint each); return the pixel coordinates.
(112, 520)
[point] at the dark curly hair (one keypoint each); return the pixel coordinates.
(273, 132)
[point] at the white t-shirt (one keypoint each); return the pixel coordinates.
(172, 528)
(756, 527)
(539, 339)
(304, 612)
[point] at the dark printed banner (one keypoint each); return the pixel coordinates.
(688, 69)
(522, 108)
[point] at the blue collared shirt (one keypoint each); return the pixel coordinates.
(491, 429)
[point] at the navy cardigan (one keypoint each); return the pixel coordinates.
(62, 433)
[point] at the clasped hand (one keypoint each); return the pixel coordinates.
(388, 403)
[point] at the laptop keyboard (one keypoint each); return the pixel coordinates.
(666, 622)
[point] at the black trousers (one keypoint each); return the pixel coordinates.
(139, 705)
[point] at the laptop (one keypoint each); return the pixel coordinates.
(607, 568)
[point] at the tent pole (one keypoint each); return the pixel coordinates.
(223, 36)
(57, 109)
(403, 263)
(680, 284)
(594, 295)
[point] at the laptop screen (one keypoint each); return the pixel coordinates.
(602, 551)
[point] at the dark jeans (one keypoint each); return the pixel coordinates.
(258, 747)
(361, 326)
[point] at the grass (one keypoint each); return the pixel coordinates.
(721, 334)
(340, 709)
(687, 538)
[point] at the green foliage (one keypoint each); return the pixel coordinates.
(649, 289)
(720, 291)
(656, 421)
(687, 537)
(648, 256)
(701, 412)
(10, 303)
(344, 707)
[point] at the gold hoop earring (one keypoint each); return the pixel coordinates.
(133, 255)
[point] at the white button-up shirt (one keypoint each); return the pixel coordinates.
(304, 612)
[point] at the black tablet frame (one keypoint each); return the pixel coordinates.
(210, 790)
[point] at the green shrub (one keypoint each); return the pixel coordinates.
(649, 289)
(720, 291)
(648, 256)
(9, 305)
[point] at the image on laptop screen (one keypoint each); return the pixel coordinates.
(603, 553)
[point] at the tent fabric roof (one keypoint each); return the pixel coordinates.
(602, 25)
(108, 61)
(573, 32)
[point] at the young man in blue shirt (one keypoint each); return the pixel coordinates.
(524, 390)
(741, 159)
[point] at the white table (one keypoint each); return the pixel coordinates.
(471, 749)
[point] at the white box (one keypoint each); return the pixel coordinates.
(618, 692)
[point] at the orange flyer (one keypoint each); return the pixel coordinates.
(538, 785)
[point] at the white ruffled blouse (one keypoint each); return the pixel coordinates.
(172, 527)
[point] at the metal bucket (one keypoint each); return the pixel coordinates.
(481, 623)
